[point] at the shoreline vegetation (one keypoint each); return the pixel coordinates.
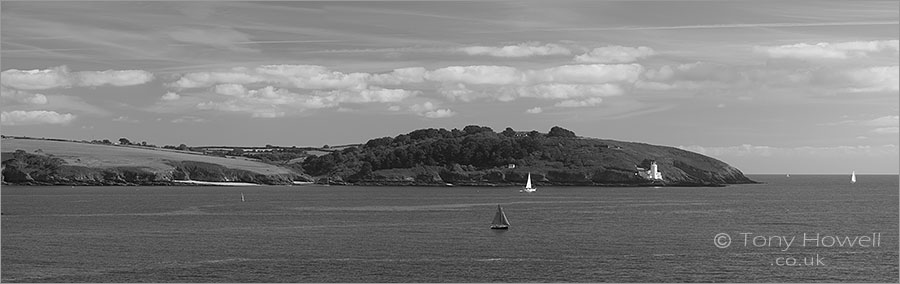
(472, 156)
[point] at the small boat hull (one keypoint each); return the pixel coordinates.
(499, 227)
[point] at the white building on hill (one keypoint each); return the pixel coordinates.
(652, 174)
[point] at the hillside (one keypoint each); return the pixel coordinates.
(475, 155)
(30, 161)
(479, 156)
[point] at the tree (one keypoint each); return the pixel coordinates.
(182, 147)
(124, 141)
(509, 132)
(557, 131)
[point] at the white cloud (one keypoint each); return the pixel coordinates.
(56, 77)
(267, 102)
(13, 96)
(230, 89)
(19, 117)
(587, 74)
(188, 119)
(400, 76)
(118, 78)
(237, 75)
(580, 103)
(889, 120)
(874, 79)
(615, 54)
(313, 77)
(61, 77)
(171, 96)
(379, 95)
(430, 110)
(825, 50)
(526, 49)
(477, 74)
(439, 113)
(747, 150)
(535, 110)
(568, 91)
(886, 130)
(125, 119)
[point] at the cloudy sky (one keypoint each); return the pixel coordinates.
(767, 86)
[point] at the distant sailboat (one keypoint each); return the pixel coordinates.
(500, 222)
(853, 177)
(242, 197)
(528, 186)
(787, 175)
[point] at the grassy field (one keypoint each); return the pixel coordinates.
(108, 156)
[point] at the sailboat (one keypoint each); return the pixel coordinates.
(242, 197)
(500, 222)
(528, 186)
(853, 177)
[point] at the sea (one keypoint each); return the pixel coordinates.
(802, 228)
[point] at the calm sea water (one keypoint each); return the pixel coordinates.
(437, 234)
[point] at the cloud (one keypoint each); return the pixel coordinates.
(267, 102)
(116, 78)
(587, 74)
(430, 110)
(813, 80)
(889, 120)
(313, 77)
(56, 77)
(237, 75)
(19, 117)
(188, 119)
(379, 95)
(568, 91)
(477, 74)
(439, 113)
(171, 96)
(526, 49)
(535, 110)
(13, 96)
(615, 54)
(748, 150)
(580, 103)
(61, 77)
(125, 119)
(825, 50)
(400, 76)
(886, 130)
(874, 79)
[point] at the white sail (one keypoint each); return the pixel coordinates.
(528, 186)
(242, 197)
(853, 177)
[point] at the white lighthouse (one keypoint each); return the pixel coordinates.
(652, 174)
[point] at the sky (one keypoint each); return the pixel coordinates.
(766, 86)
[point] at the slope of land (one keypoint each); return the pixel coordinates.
(479, 156)
(475, 155)
(31, 161)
